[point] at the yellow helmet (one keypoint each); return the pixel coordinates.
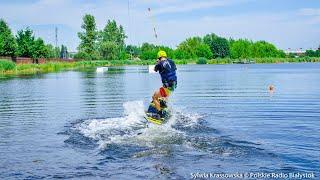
(162, 54)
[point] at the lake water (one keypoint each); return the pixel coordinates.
(88, 125)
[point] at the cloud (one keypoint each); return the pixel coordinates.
(310, 11)
(187, 6)
(312, 15)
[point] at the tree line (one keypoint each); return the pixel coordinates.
(109, 44)
(106, 44)
(313, 53)
(25, 44)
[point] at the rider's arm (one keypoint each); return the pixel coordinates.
(157, 67)
(173, 64)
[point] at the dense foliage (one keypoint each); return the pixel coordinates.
(133, 51)
(29, 46)
(111, 42)
(193, 48)
(7, 41)
(7, 65)
(243, 48)
(64, 52)
(202, 60)
(88, 45)
(107, 44)
(219, 46)
(312, 53)
(24, 44)
(53, 52)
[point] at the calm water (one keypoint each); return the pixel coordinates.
(89, 125)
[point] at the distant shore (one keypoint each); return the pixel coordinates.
(10, 68)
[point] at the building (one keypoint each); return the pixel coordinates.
(299, 51)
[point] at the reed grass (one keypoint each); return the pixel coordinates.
(10, 68)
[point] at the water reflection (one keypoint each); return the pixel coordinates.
(101, 92)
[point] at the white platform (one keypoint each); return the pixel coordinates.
(151, 69)
(101, 69)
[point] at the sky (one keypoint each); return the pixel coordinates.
(286, 23)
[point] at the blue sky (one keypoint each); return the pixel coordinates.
(286, 23)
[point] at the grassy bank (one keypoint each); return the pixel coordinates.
(10, 68)
(264, 60)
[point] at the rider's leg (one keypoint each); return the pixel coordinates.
(155, 99)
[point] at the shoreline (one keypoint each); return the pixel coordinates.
(8, 68)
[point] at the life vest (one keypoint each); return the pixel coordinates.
(167, 71)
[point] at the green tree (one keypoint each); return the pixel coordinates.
(64, 52)
(133, 50)
(219, 46)
(25, 40)
(109, 50)
(88, 38)
(29, 46)
(180, 54)
(262, 49)
(114, 33)
(203, 50)
(281, 54)
(53, 52)
(311, 53)
(148, 51)
(111, 41)
(39, 49)
(201, 60)
(243, 48)
(240, 48)
(8, 43)
(194, 48)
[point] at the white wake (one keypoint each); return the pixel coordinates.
(132, 128)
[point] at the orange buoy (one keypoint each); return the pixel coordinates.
(271, 88)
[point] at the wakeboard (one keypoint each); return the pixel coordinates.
(155, 120)
(158, 117)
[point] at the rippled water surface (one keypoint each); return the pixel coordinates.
(89, 125)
